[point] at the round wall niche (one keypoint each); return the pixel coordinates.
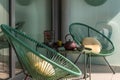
(95, 2)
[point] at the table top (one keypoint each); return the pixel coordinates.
(62, 50)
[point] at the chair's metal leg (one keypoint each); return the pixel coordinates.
(109, 65)
(77, 58)
(89, 66)
(87, 62)
(85, 71)
(26, 77)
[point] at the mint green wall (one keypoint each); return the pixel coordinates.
(80, 11)
(4, 12)
(37, 17)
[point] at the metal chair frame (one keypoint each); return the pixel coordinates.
(77, 38)
(23, 43)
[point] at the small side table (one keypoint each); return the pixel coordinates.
(65, 52)
(78, 51)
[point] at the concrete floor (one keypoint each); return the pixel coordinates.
(99, 72)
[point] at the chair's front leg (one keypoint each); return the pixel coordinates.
(85, 70)
(77, 58)
(90, 66)
(27, 77)
(109, 65)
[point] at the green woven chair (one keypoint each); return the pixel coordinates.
(39, 61)
(3, 40)
(84, 34)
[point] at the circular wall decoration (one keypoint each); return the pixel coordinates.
(95, 2)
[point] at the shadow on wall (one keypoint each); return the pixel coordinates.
(111, 30)
(105, 28)
(4, 4)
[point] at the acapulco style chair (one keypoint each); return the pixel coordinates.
(39, 61)
(80, 33)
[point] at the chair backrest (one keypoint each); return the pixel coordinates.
(79, 31)
(39, 60)
(105, 28)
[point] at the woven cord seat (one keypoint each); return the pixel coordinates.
(79, 31)
(95, 43)
(38, 60)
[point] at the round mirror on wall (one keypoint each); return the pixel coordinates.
(24, 2)
(95, 2)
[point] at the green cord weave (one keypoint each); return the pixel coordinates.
(40, 54)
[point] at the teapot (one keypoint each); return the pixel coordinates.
(69, 45)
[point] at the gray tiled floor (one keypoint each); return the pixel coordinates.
(100, 72)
